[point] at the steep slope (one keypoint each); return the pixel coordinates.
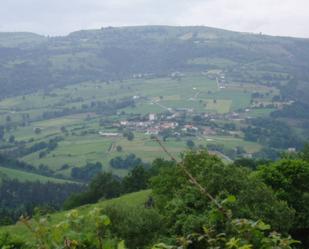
(134, 199)
(25, 176)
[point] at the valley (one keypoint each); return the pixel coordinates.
(156, 137)
(192, 106)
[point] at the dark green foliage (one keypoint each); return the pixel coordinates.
(11, 139)
(87, 172)
(290, 181)
(183, 215)
(103, 186)
(19, 198)
(304, 154)
(10, 162)
(106, 186)
(250, 163)
(6, 241)
(44, 147)
(186, 208)
(136, 180)
(137, 226)
(119, 148)
(160, 164)
(271, 133)
(267, 154)
(238, 234)
(1, 132)
(190, 144)
(129, 135)
(128, 162)
(295, 110)
(37, 130)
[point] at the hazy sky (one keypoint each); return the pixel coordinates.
(60, 17)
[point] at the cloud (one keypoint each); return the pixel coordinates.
(59, 17)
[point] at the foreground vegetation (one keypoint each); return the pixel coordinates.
(199, 202)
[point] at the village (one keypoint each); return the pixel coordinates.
(179, 123)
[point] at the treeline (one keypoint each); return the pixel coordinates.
(295, 110)
(106, 185)
(12, 163)
(85, 173)
(44, 147)
(127, 162)
(99, 107)
(272, 133)
(23, 198)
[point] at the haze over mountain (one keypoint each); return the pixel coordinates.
(285, 18)
(29, 62)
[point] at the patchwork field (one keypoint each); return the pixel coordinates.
(196, 93)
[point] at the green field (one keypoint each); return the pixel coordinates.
(25, 176)
(193, 91)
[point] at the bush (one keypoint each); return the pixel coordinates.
(8, 242)
(137, 226)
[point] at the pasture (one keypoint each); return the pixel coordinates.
(25, 176)
(193, 91)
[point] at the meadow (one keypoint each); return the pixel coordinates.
(23, 176)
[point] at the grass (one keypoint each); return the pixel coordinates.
(260, 112)
(220, 106)
(25, 176)
(134, 200)
(79, 150)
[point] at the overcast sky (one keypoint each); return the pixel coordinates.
(60, 17)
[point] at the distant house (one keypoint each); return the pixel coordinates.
(109, 134)
(169, 125)
(291, 150)
(152, 117)
(124, 123)
(209, 132)
(152, 131)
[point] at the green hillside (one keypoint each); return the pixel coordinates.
(133, 200)
(25, 176)
(20, 39)
(119, 53)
